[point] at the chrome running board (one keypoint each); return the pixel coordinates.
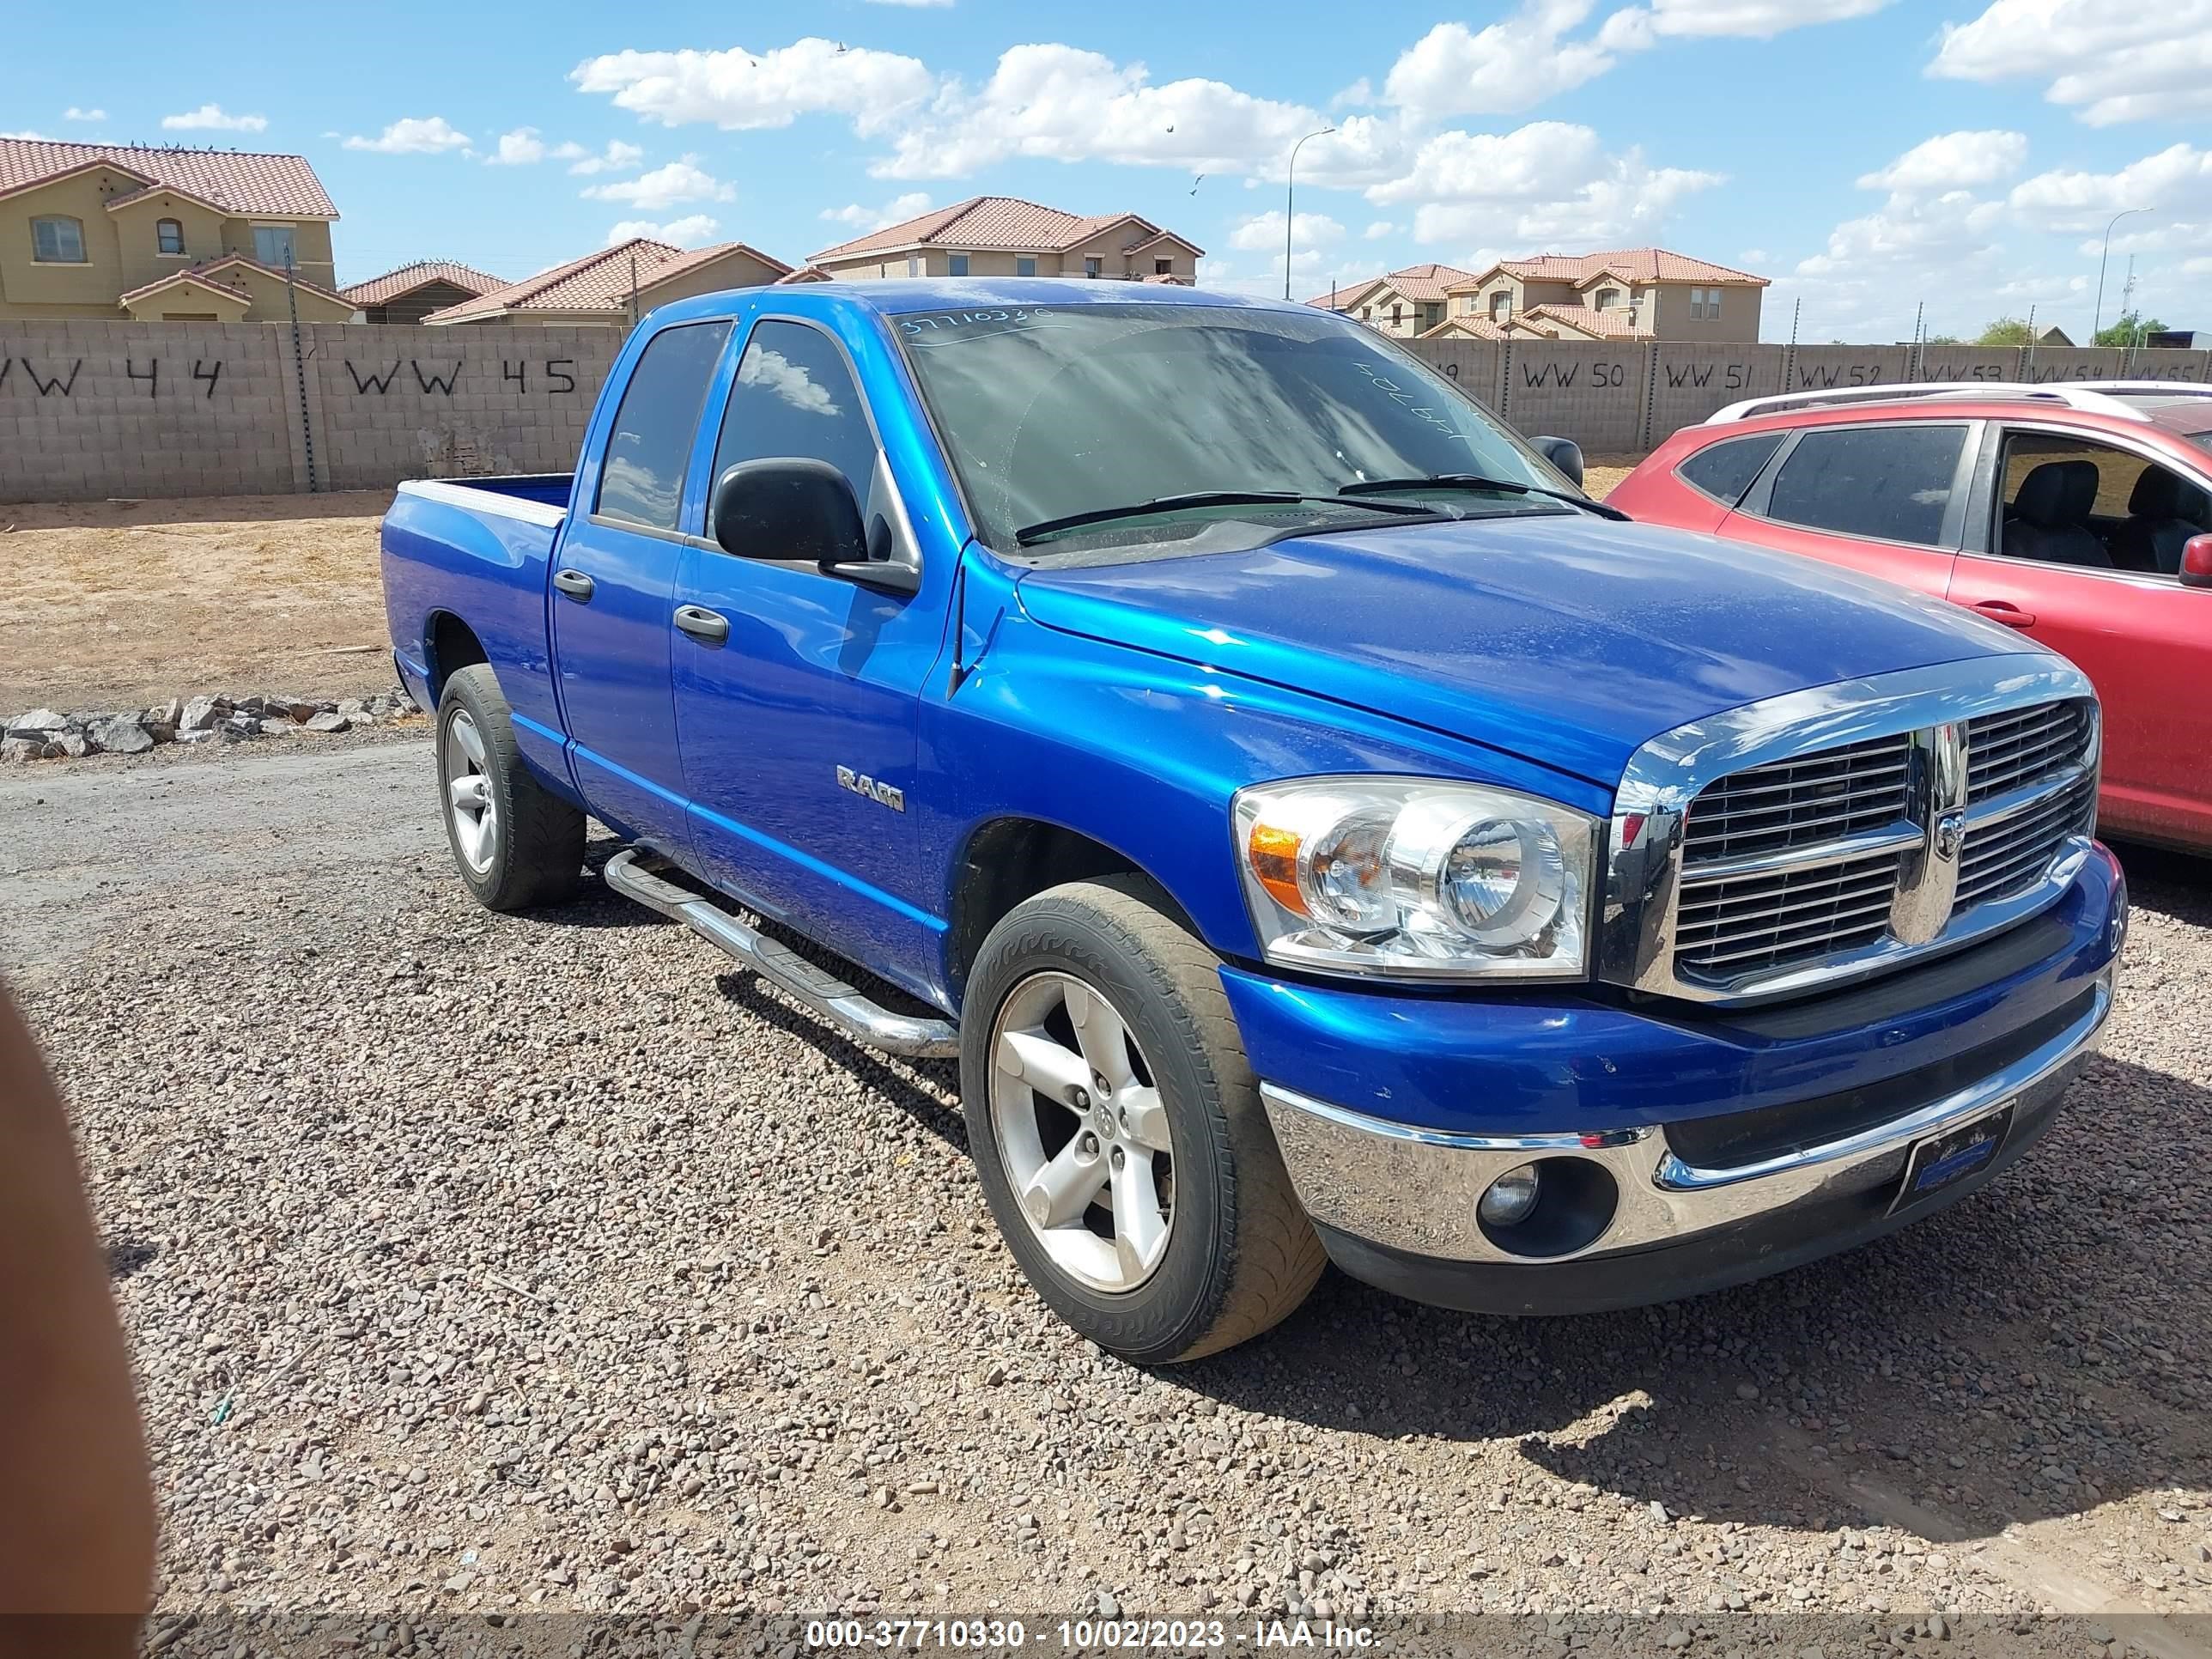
(815, 988)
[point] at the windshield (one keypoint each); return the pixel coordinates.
(1051, 411)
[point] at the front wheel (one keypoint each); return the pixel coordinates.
(1117, 1128)
(516, 843)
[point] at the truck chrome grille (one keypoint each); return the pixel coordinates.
(1875, 846)
(2010, 854)
(1801, 802)
(1736, 926)
(2021, 746)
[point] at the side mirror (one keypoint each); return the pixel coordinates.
(788, 509)
(2196, 562)
(1565, 454)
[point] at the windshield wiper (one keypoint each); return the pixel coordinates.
(1475, 480)
(1038, 531)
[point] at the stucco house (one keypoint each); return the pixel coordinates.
(618, 284)
(1637, 293)
(412, 292)
(102, 230)
(1404, 302)
(1005, 236)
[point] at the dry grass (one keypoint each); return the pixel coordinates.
(118, 603)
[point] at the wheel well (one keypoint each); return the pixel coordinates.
(1011, 859)
(452, 644)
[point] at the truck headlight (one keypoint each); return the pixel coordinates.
(1410, 878)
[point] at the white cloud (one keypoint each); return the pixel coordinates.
(894, 211)
(617, 157)
(2176, 179)
(2107, 61)
(665, 187)
(693, 230)
(208, 117)
(1509, 65)
(521, 147)
(412, 135)
(1759, 20)
(73, 113)
(1263, 233)
(1549, 184)
(1358, 95)
(25, 132)
(1380, 229)
(1951, 160)
(1057, 103)
(738, 90)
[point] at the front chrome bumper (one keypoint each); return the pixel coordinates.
(1415, 1190)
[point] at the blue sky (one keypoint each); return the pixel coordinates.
(1868, 154)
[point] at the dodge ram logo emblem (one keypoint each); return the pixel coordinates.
(882, 794)
(1950, 835)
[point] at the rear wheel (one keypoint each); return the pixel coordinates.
(515, 842)
(1118, 1131)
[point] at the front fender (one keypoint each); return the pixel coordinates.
(1143, 754)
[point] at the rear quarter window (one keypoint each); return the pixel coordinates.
(1724, 471)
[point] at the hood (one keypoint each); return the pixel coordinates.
(1569, 642)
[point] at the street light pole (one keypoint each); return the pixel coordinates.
(1290, 201)
(2097, 326)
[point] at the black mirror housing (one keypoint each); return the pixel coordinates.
(789, 508)
(1565, 454)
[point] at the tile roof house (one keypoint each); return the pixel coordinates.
(617, 285)
(84, 225)
(1404, 302)
(412, 292)
(1634, 294)
(1004, 236)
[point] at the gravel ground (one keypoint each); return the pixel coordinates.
(478, 1263)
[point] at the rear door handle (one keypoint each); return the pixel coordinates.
(576, 585)
(2011, 615)
(701, 623)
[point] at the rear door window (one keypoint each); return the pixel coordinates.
(1724, 471)
(1891, 483)
(650, 447)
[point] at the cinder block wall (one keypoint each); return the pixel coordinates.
(94, 409)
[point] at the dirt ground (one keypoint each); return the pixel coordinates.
(118, 603)
(134, 602)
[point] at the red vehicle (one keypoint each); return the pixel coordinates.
(2080, 515)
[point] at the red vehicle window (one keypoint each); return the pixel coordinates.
(1893, 483)
(1724, 471)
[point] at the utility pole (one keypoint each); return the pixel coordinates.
(2097, 326)
(1290, 199)
(633, 288)
(299, 368)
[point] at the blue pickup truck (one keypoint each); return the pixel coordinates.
(1320, 831)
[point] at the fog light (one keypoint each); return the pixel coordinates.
(1507, 1201)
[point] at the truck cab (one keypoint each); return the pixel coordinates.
(1318, 830)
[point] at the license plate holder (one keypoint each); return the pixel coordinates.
(1944, 1160)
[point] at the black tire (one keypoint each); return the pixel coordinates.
(1241, 1254)
(536, 853)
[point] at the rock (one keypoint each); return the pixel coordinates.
(37, 723)
(1746, 1390)
(123, 735)
(276, 725)
(74, 744)
(295, 709)
(238, 728)
(203, 715)
(165, 713)
(22, 749)
(202, 736)
(353, 705)
(328, 723)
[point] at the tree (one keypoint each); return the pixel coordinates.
(1942, 340)
(2007, 331)
(2129, 329)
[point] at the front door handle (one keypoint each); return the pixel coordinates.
(576, 585)
(701, 623)
(1997, 611)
